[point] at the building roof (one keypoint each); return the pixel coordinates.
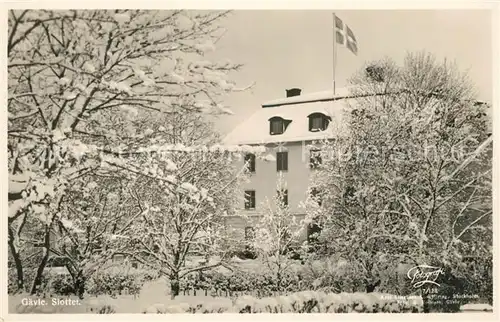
(255, 129)
(309, 98)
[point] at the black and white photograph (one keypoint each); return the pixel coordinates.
(276, 161)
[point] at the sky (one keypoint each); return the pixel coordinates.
(281, 49)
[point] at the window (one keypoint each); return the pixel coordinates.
(316, 196)
(250, 199)
(315, 159)
(249, 233)
(313, 231)
(278, 125)
(318, 122)
(283, 195)
(281, 161)
(250, 162)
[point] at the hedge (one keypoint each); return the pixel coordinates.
(240, 282)
(300, 302)
(118, 280)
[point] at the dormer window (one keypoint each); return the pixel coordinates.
(318, 122)
(278, 125)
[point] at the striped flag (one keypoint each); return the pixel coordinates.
(344, 36)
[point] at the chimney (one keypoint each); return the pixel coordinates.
(293, 92)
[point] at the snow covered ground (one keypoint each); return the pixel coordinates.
(476, 307)
(156, 295)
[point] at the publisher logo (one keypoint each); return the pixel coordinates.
(424, 274)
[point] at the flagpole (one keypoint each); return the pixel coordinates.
(334, 51)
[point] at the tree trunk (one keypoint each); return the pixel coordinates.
(79, 285)
(46, 253)
(278, 280)
(39, 272)
(17, 261)
(425, 300)
(174, 285)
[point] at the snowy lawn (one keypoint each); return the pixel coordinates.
(153, 293)
(122, 304)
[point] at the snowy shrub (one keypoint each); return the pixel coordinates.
(304, 302)
(220, 282)
(300, 302)
(335, 274)
(157, 308)
(104, 309)
(190, 281)
(213, 305)
(178, 308)
(319, 302)
(240, 281)
(160, 308)
(58, 284)
(118, 280)
(101, 305)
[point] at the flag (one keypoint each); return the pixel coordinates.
(344, 36)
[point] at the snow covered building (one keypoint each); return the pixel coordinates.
(287, 127)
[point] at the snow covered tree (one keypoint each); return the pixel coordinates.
(73, 73)
(410, 178)
(182, 229)
(277, 234)
(96, 213)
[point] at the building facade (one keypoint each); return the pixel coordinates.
(288, 128)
